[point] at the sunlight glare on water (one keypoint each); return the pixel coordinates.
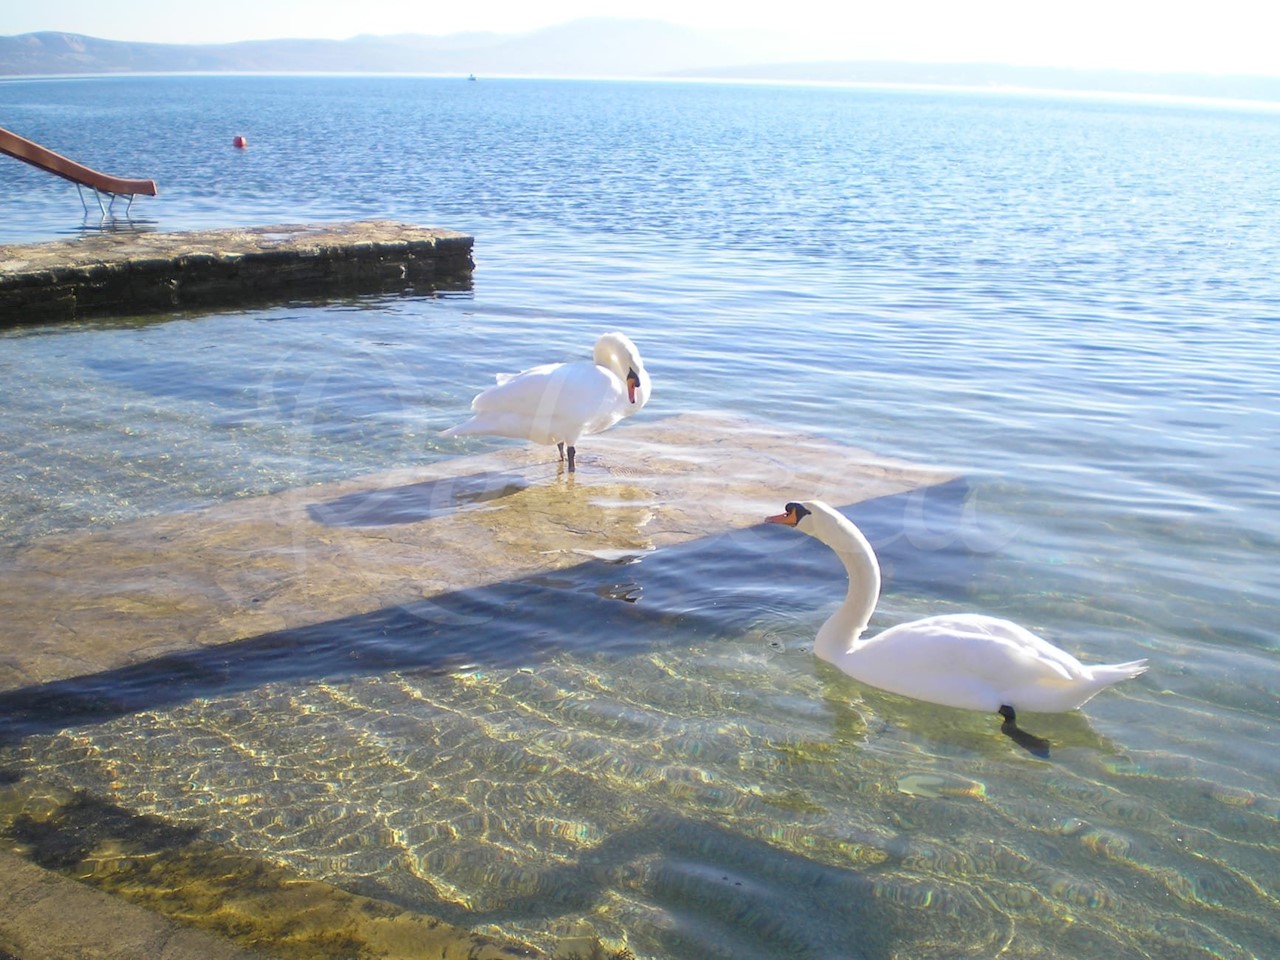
(1071, 305)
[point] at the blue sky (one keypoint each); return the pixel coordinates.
(1207, 36)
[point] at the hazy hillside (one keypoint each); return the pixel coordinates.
(584, 48)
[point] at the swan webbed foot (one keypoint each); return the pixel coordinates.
(1036, 746)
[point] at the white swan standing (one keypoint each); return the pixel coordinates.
(962, 660)
(560, 402)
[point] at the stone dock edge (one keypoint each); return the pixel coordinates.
(130, 273)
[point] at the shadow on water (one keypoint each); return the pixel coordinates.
(84, 823)
(412, 502)
(202, 293)
(666, 598)
(719, 890)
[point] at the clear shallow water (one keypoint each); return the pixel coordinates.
(1071, 303)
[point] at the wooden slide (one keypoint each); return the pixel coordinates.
(56, 163)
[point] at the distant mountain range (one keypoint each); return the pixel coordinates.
(583, 48)
(596, 47)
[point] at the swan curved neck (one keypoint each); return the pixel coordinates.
(848, 623)
(615, 353)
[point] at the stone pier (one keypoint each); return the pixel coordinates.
(127, 273)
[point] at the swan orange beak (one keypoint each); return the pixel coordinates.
(633, 381)
(790, 518)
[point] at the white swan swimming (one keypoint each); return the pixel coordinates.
(560, 402)
(962, 660)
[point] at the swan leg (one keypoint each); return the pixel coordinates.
(560, 447)
(1036, 746)
(572, 451)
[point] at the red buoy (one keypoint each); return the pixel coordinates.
(240, 142)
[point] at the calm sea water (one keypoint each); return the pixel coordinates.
(1074, 304)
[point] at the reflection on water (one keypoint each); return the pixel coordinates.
(112, 221)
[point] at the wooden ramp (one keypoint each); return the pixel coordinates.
(45, 159)
(83, 603)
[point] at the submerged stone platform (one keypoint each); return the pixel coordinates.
(130, 272)
(77, 604)
(46, 916)
(84, 609)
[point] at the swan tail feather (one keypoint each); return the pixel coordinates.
(1115, 672)
(474, 425)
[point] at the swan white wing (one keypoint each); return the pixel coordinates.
(517, 391)
(965, 660)
(552, 403)
(585, 398)
(983, 646)
(502, 378)
(1017, 643)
